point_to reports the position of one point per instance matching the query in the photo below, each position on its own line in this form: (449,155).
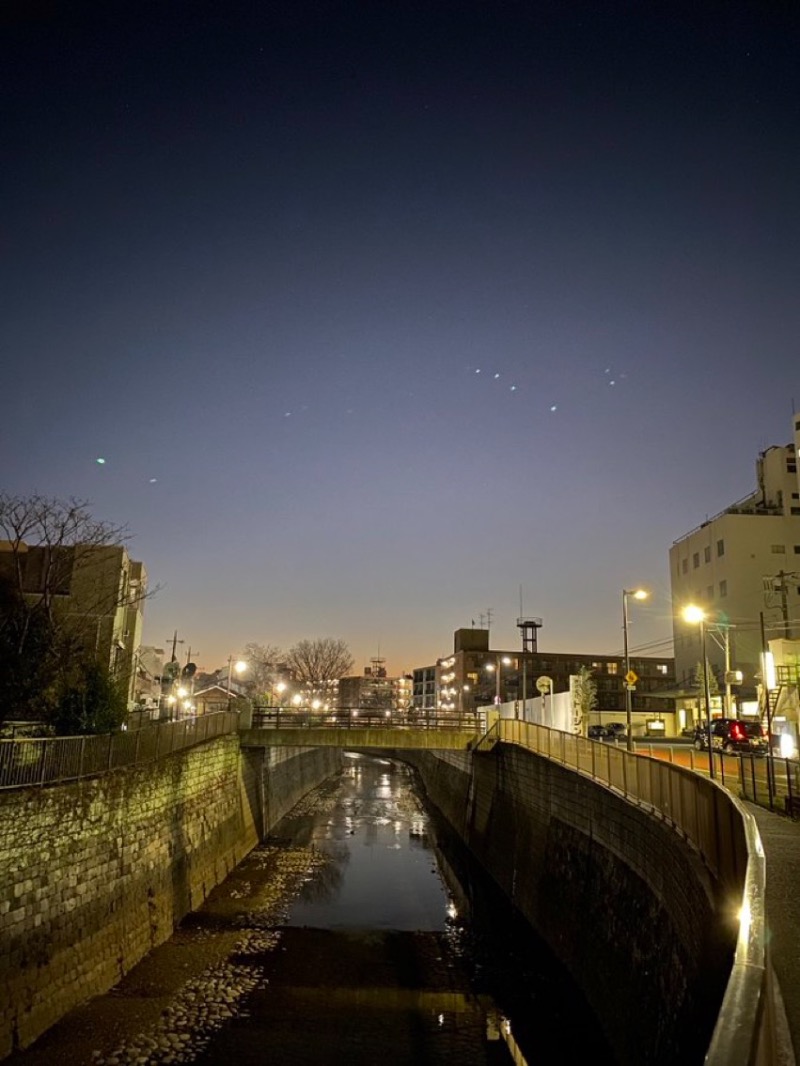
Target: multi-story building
(95,591)
(742,568)
(475,675)
(149,667)
(423,697)
(374,691)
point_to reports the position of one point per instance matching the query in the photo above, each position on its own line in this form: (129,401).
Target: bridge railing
(55,760)
(357,718)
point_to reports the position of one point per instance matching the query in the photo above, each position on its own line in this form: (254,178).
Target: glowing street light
(637,594)
(697,616)
(240,666)
(495,668)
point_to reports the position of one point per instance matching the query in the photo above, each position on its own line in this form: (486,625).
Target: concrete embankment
(621,899)
(95,874)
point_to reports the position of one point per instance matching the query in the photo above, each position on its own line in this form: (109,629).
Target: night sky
(381,314)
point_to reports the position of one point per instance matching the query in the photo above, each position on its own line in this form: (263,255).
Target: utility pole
(175,643)
(765,689)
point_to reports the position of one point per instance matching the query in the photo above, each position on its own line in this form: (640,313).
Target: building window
(778,549)
(707,554)
(662,668)
(720,548)
(684,566)
(794,510)
(797,549)
(696,560)
(723,588)
(612,668)
(710,592)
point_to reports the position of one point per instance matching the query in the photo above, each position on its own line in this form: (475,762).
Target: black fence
(769,781)
(54,760)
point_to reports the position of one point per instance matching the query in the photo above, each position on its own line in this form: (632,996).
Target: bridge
(358,728)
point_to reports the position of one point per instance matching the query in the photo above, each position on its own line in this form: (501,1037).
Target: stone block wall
(622,900)
(95,874)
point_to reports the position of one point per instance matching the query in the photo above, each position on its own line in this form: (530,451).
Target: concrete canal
(358,933)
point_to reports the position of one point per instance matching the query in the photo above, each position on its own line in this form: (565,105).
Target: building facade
(475,675)
(97,592)
(742,567)
(376,692)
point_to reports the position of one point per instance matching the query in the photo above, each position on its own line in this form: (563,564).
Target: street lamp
(697,616)
(638,594)
(240,668)
(501,661)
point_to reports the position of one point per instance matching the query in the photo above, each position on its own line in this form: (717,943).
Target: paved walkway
(781,839)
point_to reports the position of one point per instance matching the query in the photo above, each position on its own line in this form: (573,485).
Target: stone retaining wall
(95,874)
(621,899)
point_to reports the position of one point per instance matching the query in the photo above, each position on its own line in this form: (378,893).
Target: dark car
(596,732)
(732,735)
(616,730)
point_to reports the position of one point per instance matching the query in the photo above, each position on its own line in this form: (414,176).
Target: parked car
(616,730)
(732,735)
(596,732)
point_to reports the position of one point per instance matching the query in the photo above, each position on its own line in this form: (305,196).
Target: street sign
(631,677)
(544,684)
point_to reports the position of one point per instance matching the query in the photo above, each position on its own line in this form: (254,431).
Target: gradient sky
(381,313)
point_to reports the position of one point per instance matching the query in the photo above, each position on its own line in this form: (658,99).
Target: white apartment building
(742,567)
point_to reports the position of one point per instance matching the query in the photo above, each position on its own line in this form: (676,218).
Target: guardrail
(725,835)
(55,760)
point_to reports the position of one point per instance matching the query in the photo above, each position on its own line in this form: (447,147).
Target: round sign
(544,684)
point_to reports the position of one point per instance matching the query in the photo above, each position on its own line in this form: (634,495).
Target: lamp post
(697,616)
(638,594)
(239,667)
(502,660)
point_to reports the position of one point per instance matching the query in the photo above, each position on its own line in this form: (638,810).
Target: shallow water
(385,956)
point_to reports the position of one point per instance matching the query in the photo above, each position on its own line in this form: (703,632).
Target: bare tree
(65,537)
(264,661)
(316,661)
(58,584)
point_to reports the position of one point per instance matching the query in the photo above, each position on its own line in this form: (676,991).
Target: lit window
(662,668)
(612,668)
(723,588)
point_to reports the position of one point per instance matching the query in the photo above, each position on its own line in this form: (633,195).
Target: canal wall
(95,874)
(618,895)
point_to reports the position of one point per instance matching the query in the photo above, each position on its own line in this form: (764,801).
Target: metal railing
(726,837)
(55,760)
(358,718)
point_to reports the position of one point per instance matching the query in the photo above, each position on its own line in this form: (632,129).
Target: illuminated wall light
(768,663)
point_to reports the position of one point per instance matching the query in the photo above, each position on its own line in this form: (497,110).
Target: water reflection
(388,877)
(393,951)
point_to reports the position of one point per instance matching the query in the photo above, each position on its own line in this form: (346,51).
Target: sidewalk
(781,839)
